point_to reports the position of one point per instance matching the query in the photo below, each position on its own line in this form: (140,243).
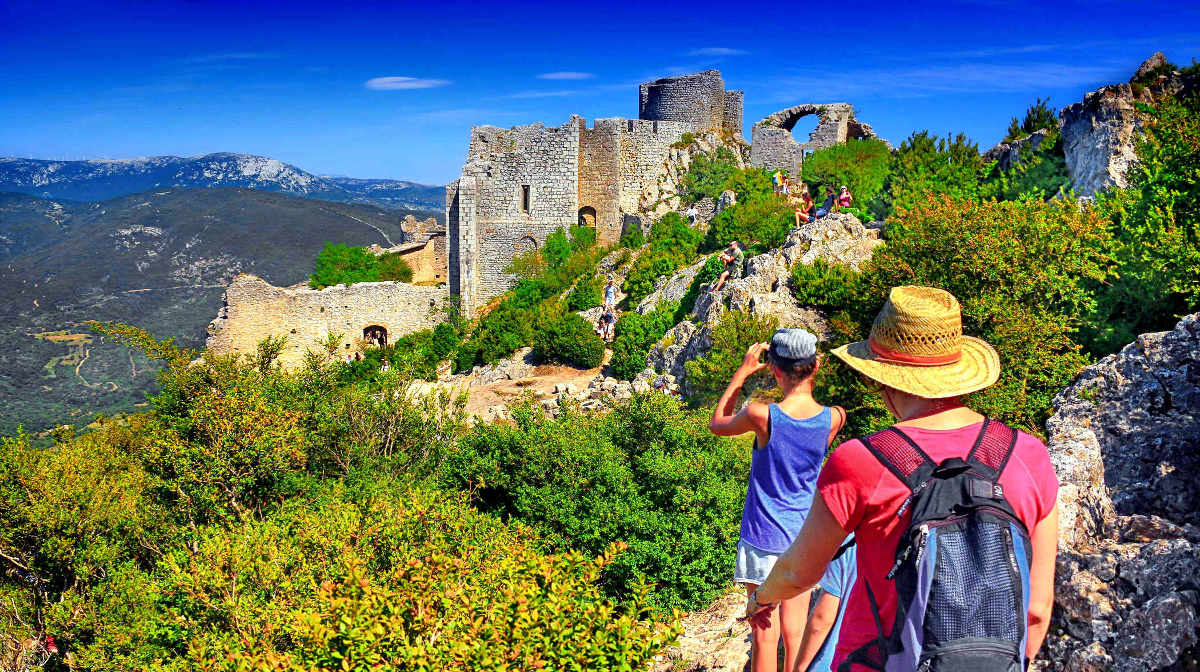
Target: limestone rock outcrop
(1125,441)
(1008,154)
(763,291)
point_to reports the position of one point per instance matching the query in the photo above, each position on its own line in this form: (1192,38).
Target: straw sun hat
(917,346)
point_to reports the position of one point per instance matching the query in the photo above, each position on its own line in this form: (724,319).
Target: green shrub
(861,165)
(709,175)
(1156,229)
(633,238)
(709,272)
(557,248)
(634,335)
(569,339)
(339,264)
(587,294)
(1040,173)
(582,238)
(760,223)
(1039,116)
(392,266)
(648,268)
(672,245)
(824,285)
(651,475)
(925,167)
(733,334)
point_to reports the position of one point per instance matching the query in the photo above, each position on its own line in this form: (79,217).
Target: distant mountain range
(101,179)
(159,260)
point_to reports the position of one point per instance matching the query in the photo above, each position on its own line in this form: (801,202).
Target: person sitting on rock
(828,206)
(844,198)
(735,261)
(791,438)
(923,366)
(803,206)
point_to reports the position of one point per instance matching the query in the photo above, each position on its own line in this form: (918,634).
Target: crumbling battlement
(774,148)
(520,184)
(254,309)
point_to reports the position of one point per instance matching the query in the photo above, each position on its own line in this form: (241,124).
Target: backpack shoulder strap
(993,449)
(902,456)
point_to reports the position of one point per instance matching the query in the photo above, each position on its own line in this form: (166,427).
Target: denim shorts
(753,564)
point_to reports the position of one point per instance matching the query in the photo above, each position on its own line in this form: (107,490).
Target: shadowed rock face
(1125,441)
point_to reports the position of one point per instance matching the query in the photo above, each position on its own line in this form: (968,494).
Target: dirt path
(540,384)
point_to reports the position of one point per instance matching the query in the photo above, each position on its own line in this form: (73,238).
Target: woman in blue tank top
(791,438)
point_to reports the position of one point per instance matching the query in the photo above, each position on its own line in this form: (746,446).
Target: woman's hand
(759,615)
(753,362)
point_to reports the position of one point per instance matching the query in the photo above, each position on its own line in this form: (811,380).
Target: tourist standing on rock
(844,198)
(610,295)
(735,262)
(828,206)
(790,440)
(954,514)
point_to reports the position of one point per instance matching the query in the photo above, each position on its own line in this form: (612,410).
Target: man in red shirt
(923,364)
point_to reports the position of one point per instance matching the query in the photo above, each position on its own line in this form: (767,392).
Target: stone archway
(375,335)
(524,245)
(587,216)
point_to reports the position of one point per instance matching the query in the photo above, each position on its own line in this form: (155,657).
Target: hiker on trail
(804,208)
(844,198)
(828,206)
(385,367)
(786,188)
(777,180)
(790,441)
(605,326)
(610,295)
(825,619)
(735,262)
(691,213)
(954,514)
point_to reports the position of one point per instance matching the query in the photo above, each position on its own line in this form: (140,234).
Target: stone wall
(255,309)
(697,99)
(600,177)
(774,148)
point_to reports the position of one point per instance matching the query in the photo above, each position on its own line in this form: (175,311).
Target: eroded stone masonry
(774,148)
(520,184)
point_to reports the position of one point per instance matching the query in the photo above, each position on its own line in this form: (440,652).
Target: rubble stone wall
(774,148)
(255,309)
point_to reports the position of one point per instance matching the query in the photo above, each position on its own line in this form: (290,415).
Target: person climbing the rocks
(828,206)
(790,441)
(735,262)
(954,514)
(825,619)
(804,206)
(844,198)
(610,295)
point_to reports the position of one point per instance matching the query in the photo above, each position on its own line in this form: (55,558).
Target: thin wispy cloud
(543,94)
(566,75)
(403,83)
(232,57)
(717,51)
(931,80)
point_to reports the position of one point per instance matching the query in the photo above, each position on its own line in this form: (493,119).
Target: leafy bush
(587,294)
(392,266)
(709,272)
(1156,227)
(569,339)
(651,475)
(759,223)
(634,335)
(557,248)
(734,332)
(582,238)
(925,167)
(861,165)
(339,264)
(824,285)
(672,245)
(633,238)
(1041,173)
(1039,116)
(709,175)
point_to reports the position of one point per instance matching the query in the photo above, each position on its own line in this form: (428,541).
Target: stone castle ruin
(774,148)
(521,184)
(518,186)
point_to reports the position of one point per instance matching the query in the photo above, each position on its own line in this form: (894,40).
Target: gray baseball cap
(794,344)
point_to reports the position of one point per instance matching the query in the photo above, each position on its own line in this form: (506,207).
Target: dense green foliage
(925,166)
(1040,116)
(633,238)
(708,273)
(758,221)
(734,333)
(569,339)
(1156,224)
(651,475)
(263,519)
(861,165)
(709,175)
(340,264)
(588,293)
(673,244)
(634,335)
(824,285)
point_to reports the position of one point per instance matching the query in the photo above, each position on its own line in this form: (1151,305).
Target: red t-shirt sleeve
(846,481)
(1041,472)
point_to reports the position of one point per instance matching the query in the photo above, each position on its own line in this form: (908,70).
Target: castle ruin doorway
(375,336)
(587,216)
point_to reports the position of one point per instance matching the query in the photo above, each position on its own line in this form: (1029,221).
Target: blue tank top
(783,476)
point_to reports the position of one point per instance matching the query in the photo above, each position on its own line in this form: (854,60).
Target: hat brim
(978,368)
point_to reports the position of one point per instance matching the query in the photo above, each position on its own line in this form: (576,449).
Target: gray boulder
(1125,442)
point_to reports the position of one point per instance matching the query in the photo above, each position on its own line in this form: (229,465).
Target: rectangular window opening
(525,198)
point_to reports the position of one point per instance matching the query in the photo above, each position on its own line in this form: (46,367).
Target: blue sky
(390,89)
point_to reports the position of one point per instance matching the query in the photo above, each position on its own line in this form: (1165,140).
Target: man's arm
(1041,581)
(803,564)
(820,622)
